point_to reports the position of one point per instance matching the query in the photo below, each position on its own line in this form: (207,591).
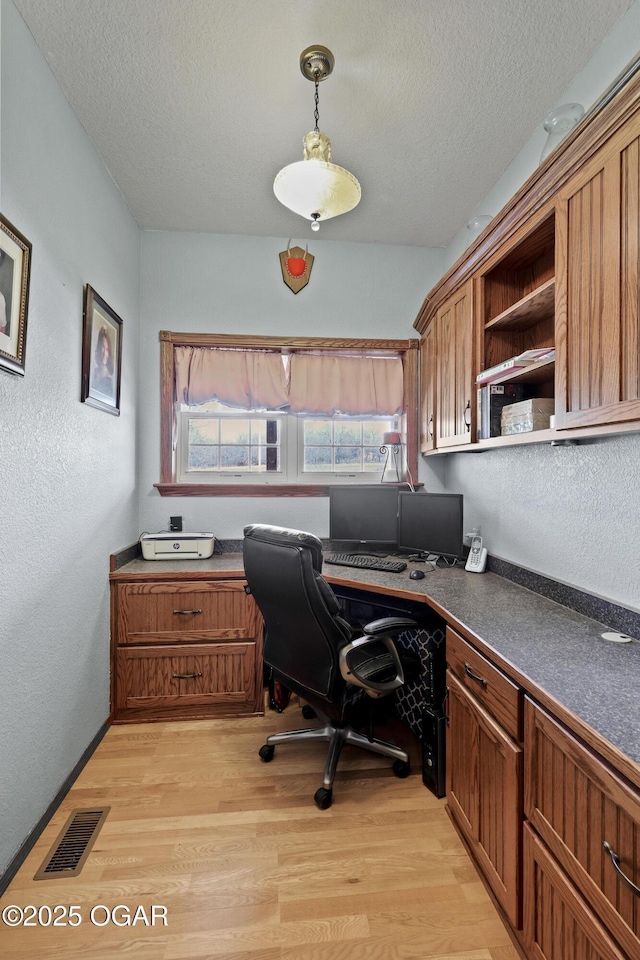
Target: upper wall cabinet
(427,387)
(517,292)
(557,272)
(598,358)
(454,369)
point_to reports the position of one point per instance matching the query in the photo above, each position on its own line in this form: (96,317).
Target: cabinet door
(557,923)
(597,274)
(455,389)
(576,804)
(427,388)
(484,793)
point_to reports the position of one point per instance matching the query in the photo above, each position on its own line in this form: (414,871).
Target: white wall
(219,284)
(67,471)
(566,512)
(619,47)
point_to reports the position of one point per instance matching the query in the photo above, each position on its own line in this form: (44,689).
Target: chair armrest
(388,626)
(366,668)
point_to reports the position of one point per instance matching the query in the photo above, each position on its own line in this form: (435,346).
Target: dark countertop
(549,648)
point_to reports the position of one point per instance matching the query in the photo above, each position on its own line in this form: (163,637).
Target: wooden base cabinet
(185,649)
(484,777)
(558,924)
(553,828)
(584,815)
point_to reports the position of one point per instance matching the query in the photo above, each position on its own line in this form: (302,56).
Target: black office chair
(315,653)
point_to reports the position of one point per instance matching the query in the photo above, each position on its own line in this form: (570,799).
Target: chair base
(337,738)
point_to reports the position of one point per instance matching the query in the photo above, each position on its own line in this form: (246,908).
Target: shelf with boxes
(517,350)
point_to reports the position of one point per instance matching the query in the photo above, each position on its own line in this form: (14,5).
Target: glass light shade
(315,185)
(477,224)
(558,122)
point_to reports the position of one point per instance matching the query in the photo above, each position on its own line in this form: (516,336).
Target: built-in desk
(543,742)
(555,654)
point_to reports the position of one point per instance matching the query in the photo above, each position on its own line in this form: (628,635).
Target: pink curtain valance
(358,386)
(318,384)
(246,379)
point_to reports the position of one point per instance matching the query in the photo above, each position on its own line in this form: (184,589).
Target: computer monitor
(364,514)
(431,523)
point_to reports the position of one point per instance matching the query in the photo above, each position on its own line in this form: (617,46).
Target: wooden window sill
(251,490)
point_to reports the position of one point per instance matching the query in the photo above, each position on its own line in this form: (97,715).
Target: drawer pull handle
(615,860)
(469,672)
(186,613)
(185,676)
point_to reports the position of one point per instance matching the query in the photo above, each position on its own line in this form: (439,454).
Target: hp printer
(181,546)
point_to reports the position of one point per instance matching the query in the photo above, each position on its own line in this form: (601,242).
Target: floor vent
(68,854)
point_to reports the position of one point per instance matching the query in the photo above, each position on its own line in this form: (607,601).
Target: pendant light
(314,187)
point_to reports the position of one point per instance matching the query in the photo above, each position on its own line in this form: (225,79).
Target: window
(216,445)
(263,417)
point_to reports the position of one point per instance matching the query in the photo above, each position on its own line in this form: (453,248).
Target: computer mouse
(416,575)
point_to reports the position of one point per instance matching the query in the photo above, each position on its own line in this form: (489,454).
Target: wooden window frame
(168,487)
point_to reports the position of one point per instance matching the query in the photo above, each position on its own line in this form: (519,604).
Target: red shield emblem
(296,266)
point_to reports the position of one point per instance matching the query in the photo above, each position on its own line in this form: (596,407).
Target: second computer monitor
(364,514)
(431,523)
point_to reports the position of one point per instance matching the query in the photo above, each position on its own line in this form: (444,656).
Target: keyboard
(366,563)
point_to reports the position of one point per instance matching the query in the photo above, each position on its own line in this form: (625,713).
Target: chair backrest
(304,631)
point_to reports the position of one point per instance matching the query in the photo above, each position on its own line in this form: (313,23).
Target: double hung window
(274,417)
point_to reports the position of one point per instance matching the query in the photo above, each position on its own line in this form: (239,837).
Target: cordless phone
(477,559)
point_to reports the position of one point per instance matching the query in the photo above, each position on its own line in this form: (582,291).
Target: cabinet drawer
(198,679)
(576,804)
(557,921)
(495,691)
(185,611)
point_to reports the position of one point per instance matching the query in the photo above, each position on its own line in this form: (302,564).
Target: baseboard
(16,862)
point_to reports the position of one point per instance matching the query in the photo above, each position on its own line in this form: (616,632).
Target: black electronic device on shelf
(434,750)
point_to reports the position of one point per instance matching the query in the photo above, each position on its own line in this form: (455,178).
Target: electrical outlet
(175,524)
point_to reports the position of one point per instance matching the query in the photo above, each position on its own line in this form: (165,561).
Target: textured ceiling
(195,105)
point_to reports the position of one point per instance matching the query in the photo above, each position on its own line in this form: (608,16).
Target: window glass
(223,442)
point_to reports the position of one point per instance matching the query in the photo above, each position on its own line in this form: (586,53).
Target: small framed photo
(15,268)
(101,354)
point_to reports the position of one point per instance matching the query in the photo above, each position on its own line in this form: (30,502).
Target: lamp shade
(315,185)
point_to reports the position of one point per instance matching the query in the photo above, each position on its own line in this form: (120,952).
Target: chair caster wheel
(323,798)
(401,768)
(308,712)
(266,753)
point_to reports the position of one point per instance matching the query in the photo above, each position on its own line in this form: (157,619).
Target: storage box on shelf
(527,415)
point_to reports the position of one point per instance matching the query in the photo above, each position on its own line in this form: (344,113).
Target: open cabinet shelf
(540,372)
(528,311)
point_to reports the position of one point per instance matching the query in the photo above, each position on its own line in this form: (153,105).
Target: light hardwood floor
(246,865)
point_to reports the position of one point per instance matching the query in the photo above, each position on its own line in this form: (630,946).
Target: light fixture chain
(316,112)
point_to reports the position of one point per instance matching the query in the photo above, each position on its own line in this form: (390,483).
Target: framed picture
(15,267)
(101,354)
